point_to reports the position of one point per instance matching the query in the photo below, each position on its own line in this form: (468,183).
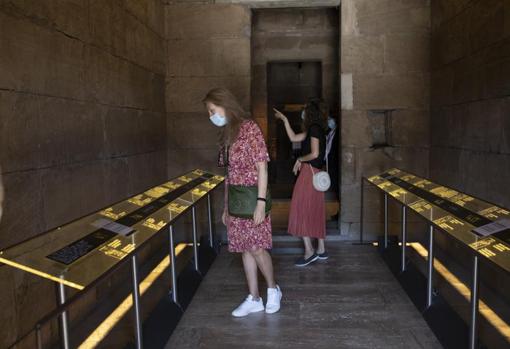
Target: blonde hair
(234,112)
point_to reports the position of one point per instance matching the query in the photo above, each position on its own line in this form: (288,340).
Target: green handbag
(242,201)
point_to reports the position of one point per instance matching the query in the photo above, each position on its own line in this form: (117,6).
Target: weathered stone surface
(201,134)
(486,23)
(71,191)
(116,178)
(209,57)
(64,65)
(469,129)
(406,52)
(295,47)
(363,54)
(505,129)
(443,11)
(451,40)
(370,8)
(411,127)
(22,216)
(122,132)
(189,21)
(76,135)
(148,12)
(497,84)
(375,20)
(496,174)
(349,161)
(31,305)
(442,86)
(390,91)
(183,160)
(146,170)
(298,21)
(355,129)
(20,134)
(9,315)
(185,94)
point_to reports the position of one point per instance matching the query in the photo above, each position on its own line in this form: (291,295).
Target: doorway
(289,86)
(294,56)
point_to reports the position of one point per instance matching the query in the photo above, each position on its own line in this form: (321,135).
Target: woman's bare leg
(309,251)
(321,248)
(250,270)
(265,265)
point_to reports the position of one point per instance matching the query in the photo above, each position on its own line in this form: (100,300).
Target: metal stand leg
(361,213)
(430,271)
(195,239)
(175,297)
(64,320)
(209,215)
(473,328)
(38,337)
(385,220)
(136,303)
(404,238)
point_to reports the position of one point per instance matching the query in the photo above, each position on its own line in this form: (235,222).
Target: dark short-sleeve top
(315,131)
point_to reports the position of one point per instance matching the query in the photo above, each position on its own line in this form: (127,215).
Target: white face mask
(302,114)
(218,120)
(331,123)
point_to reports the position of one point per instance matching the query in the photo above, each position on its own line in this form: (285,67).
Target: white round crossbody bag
(321,180)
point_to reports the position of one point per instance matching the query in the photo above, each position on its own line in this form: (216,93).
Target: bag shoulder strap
(311,169)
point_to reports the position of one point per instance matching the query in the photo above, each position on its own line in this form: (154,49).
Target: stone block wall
(208,46)
(205,50)
(384,65)
(470,102)
(82,123)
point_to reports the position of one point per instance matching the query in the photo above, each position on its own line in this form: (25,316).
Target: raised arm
(294,137)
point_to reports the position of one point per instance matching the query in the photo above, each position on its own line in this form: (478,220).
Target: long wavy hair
(315,113)
(234,112)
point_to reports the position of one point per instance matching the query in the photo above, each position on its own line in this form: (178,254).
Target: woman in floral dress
(246,159)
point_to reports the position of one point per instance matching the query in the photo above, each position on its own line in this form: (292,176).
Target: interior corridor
(351,300)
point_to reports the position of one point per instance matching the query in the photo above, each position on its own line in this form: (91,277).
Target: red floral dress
(247,150)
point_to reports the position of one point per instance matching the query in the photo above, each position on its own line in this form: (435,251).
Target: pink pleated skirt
(307,216)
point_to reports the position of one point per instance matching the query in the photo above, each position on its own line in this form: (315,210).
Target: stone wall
(384,65)
(204,51)
(82,123)
(470,101)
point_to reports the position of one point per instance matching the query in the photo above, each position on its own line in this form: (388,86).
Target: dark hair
(234,112)
(315,113)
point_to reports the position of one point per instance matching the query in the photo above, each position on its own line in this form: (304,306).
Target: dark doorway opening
(289,86)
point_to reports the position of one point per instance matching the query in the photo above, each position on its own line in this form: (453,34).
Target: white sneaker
(274,296)
(248,306)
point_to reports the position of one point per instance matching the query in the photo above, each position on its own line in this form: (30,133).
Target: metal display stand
(108,239)
(454,213)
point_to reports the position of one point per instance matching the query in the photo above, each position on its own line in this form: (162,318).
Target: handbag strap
(311,169)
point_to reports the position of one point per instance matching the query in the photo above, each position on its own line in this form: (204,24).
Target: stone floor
(350,301)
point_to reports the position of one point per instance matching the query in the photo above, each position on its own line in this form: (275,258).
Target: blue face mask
(331,123)
(218,120)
